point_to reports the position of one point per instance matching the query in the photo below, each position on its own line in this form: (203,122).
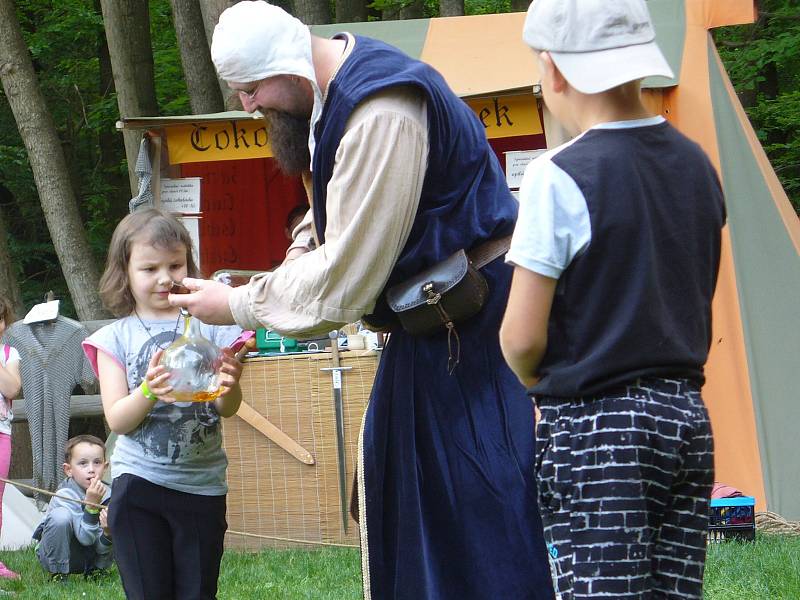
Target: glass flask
(193,363)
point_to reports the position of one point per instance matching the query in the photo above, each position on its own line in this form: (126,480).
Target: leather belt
(483,254)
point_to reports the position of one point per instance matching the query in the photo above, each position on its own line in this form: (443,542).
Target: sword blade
(338,406)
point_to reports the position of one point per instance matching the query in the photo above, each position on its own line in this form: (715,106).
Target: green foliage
(173,98)
(471,7)
(764,65)
(487,7)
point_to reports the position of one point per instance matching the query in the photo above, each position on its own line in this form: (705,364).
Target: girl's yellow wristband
(91,510)
(146,391)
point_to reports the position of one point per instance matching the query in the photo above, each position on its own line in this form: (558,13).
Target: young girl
(10,385)
(167,511)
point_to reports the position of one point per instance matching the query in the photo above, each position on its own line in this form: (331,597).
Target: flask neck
(191,327)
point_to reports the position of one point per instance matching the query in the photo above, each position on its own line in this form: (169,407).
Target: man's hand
(95,491)
(208,301)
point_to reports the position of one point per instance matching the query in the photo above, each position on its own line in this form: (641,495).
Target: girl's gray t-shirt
(177,445)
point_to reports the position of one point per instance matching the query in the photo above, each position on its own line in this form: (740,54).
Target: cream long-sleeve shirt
(372,199)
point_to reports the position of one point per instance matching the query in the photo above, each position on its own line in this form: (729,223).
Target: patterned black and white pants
(624,487)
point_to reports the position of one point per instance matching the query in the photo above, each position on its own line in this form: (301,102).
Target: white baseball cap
(596,44)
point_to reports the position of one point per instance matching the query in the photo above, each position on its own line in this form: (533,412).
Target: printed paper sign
(516,161)
(181,195)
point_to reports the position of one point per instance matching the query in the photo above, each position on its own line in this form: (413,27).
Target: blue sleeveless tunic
(447,495)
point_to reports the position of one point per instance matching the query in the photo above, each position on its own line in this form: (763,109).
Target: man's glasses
(251,95)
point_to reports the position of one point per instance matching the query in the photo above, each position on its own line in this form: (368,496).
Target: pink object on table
(721,490)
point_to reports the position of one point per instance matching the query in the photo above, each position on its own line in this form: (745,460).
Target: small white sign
(192,225)
(181,195)
(516,161)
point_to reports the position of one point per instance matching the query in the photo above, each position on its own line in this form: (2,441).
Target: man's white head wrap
(255,40)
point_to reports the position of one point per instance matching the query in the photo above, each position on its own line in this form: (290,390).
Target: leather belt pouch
(436,299)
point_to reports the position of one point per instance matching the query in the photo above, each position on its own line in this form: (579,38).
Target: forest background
(70,68)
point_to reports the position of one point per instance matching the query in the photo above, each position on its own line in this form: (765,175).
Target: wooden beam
(80,406)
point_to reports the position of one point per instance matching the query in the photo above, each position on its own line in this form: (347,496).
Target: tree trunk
(520,5)
(201,78)
(9,284)
(451,8)
(46,157)
(390,14)
(110,144)
(211,10)
(127,25)
(414,10)
(351,11)
(313,12)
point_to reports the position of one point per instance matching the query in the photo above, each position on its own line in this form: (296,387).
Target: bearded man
(402,178)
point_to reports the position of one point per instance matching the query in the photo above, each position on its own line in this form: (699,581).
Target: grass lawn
(766,569)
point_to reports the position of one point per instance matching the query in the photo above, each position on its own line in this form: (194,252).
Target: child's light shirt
(85,526)
(177,445)
(553,225)
(6,414)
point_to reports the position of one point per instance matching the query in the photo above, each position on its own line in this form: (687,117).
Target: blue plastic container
(732,518)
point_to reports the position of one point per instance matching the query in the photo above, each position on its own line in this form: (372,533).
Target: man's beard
(288,138)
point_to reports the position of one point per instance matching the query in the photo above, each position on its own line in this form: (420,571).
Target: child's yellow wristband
(91,511)
(146,391)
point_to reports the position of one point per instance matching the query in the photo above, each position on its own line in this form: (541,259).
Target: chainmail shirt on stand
(144,172)
(51,365)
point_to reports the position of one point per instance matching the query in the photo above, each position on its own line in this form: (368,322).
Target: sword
(338,405)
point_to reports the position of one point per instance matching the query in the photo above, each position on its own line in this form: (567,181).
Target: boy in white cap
(616,252)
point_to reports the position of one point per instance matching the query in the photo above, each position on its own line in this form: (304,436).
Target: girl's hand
(95,491)
(230,371)
(157,378)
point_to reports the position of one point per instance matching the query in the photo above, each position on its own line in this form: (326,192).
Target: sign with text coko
(207,141)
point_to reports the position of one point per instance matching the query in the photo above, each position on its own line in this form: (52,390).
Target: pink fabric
(7,573)
(237,344)
(90,349)
(4,406)
(722,490)
(5,463)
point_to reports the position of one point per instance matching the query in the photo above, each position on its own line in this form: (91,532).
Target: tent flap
(768,282)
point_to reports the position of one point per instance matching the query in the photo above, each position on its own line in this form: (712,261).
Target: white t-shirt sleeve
(12,355)
(553,225)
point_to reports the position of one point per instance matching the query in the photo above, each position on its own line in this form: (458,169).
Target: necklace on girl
(150,333)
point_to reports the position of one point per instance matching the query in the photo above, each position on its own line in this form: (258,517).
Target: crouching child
(74,537)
